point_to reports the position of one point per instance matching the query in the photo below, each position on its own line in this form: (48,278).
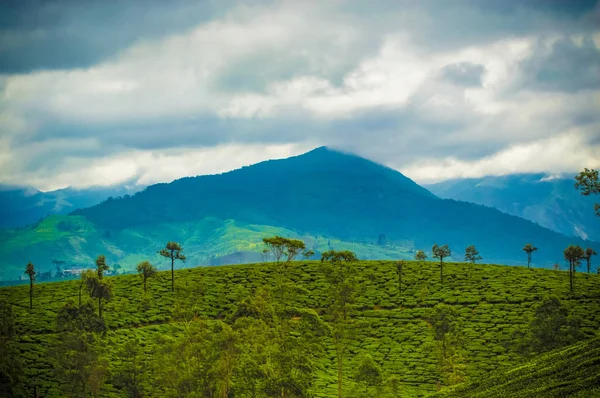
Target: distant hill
(328,198)
(568,372)
(21,206)
(552,202)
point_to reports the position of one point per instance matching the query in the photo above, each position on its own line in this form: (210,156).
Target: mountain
(552,202)
(21,206)
(327,198)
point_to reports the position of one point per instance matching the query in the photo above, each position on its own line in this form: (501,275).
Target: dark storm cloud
(67,34)
(261,78)
(563,66)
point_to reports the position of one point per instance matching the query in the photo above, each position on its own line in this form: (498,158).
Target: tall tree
(83,277)
(30,271)
(77,353)
(589,184)
(10,363)
(146,271)
(368,373)
(101,266)
(399,267)
(444,320)
(131,374)
(589,252)
(341,275)
(552,326)
(420,255)
(573,254)
(471,254)
(529,249)
(288,249)
(441,252)
(173,252)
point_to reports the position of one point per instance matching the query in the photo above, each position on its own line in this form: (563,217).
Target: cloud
(397,84)
(554,155)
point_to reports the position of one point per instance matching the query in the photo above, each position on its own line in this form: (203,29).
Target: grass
(493,302)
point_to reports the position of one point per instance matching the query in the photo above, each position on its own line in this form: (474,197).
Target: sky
(139,92)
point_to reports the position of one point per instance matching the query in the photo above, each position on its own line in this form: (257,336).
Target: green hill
(327,198)
(573,371)
(492,302)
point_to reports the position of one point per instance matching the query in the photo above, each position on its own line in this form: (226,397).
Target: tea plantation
(493,302)
(573,371)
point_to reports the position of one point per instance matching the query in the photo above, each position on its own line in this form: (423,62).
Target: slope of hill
(492,301)
(552,202)
(330,199)
(573,371)
(21,206)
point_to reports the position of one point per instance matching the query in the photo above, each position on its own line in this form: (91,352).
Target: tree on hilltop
(399,267)
(441,252)
(573,254)
(146,271)
(101,266)
(589,252)
(308,254)
(529,249)
(30,271)
(172,252)
(283,248)
(472,255)
(420,255)
(589,184)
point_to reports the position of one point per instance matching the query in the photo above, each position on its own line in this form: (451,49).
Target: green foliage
(492,302)
(472,255)
(101,266)
(553,327)
(146,271)
(368,373)
(132,373)
(420,255)
(10,363)
(573,371)
(588,183)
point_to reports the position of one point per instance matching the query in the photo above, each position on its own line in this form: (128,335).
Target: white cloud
(150,167)
(568,152)
(295,73)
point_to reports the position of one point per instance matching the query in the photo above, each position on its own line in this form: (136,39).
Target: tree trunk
(571,274)
(340,370)
(442,271)
(30,293)
(172,272)
(588,264)
(528,259)
(145,290)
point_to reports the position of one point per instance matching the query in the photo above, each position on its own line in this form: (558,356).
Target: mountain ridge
(329,199)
